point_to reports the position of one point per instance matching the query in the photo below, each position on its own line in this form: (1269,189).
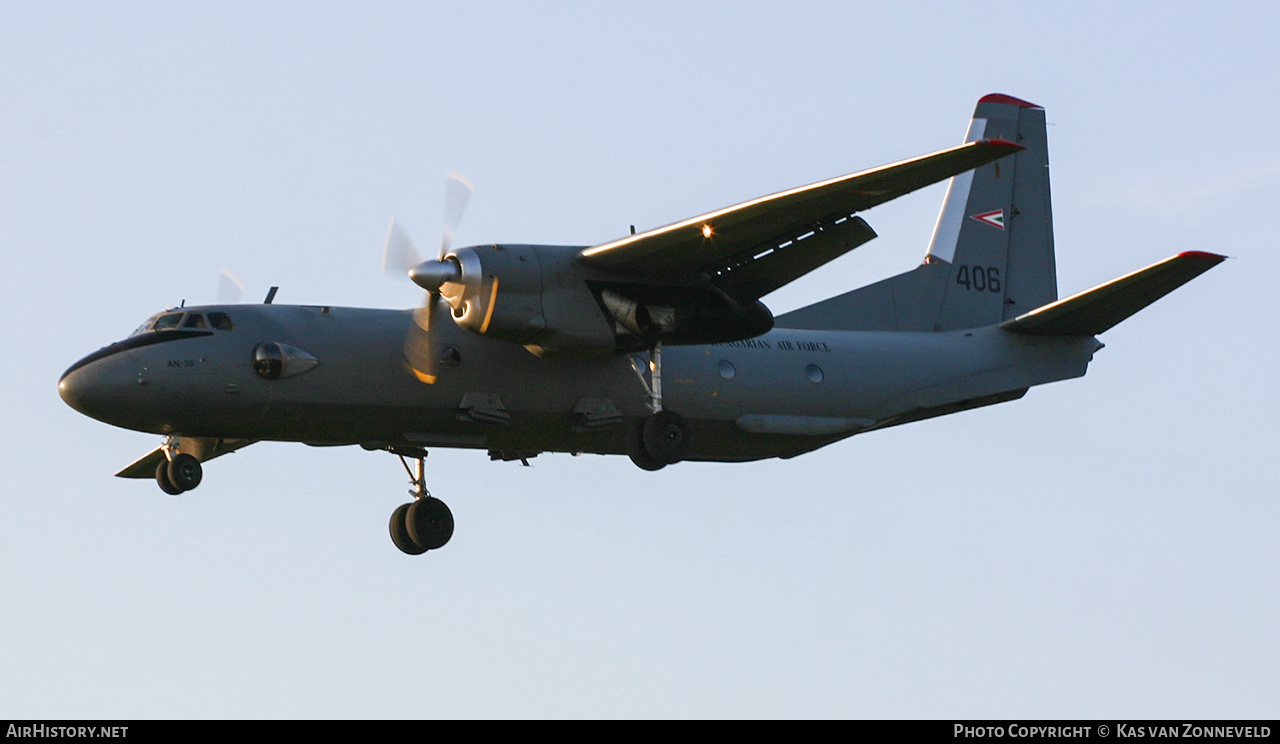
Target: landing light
(706,231)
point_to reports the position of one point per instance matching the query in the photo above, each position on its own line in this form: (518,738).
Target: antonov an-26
(655,345)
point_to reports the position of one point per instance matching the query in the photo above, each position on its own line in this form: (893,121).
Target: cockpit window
(199,321)
(166,321)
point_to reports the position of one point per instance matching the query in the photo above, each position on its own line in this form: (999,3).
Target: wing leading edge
(754,247)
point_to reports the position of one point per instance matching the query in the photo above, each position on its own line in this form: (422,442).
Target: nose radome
(76,388)
(97,386)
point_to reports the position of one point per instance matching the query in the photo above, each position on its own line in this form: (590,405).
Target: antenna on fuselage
(271,295)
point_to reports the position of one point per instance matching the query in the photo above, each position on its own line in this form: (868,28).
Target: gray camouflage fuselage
(743,400)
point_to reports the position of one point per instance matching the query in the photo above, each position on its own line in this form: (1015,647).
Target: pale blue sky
(1104,547)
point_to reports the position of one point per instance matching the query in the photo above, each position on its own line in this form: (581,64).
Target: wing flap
(762,270)
(719,236)
(1095,310)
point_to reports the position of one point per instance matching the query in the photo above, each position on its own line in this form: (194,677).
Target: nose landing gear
(426,523)
(178,472)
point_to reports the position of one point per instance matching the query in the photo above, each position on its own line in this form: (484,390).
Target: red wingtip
(996,142)
(1202,255)
(1002,98)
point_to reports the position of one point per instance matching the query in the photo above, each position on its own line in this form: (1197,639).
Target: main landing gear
(662,437)
(425,523)
(178,472)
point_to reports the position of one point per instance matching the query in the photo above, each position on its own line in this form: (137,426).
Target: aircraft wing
(204,449)
(755,247)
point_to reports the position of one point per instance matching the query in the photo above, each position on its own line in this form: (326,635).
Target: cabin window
(814,373)
(726,368)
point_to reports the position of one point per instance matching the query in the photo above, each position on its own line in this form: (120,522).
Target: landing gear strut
(426,523)
(662,437)
(178,472)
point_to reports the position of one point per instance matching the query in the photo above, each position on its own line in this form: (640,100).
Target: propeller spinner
(399,255)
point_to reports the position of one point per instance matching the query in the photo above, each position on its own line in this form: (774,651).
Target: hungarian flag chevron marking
(995,218)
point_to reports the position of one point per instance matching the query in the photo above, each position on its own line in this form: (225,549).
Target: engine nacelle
(542,298)
(536,296)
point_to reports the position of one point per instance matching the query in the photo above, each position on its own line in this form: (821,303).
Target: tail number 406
(978,278)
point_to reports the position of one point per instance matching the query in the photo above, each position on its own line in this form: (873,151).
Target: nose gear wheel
(178,472)
(162,478)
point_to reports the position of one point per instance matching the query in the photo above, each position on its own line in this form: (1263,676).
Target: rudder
(996,225)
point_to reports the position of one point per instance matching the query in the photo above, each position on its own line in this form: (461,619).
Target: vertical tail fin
(996,225)
(991,257)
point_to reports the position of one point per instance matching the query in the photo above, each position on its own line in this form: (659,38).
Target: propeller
(457,193)
(399,255)
(230,288)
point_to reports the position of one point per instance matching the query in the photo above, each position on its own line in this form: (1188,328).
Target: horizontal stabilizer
(1095,310)
(203,449)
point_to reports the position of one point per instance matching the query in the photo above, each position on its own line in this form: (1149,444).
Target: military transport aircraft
(655,345)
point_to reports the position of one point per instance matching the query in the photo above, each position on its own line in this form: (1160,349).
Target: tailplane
(1095,310)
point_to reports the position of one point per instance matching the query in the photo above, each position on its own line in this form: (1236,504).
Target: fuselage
(781,394)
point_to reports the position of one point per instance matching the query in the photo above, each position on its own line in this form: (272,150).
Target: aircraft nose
(76,388)
(95,385)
